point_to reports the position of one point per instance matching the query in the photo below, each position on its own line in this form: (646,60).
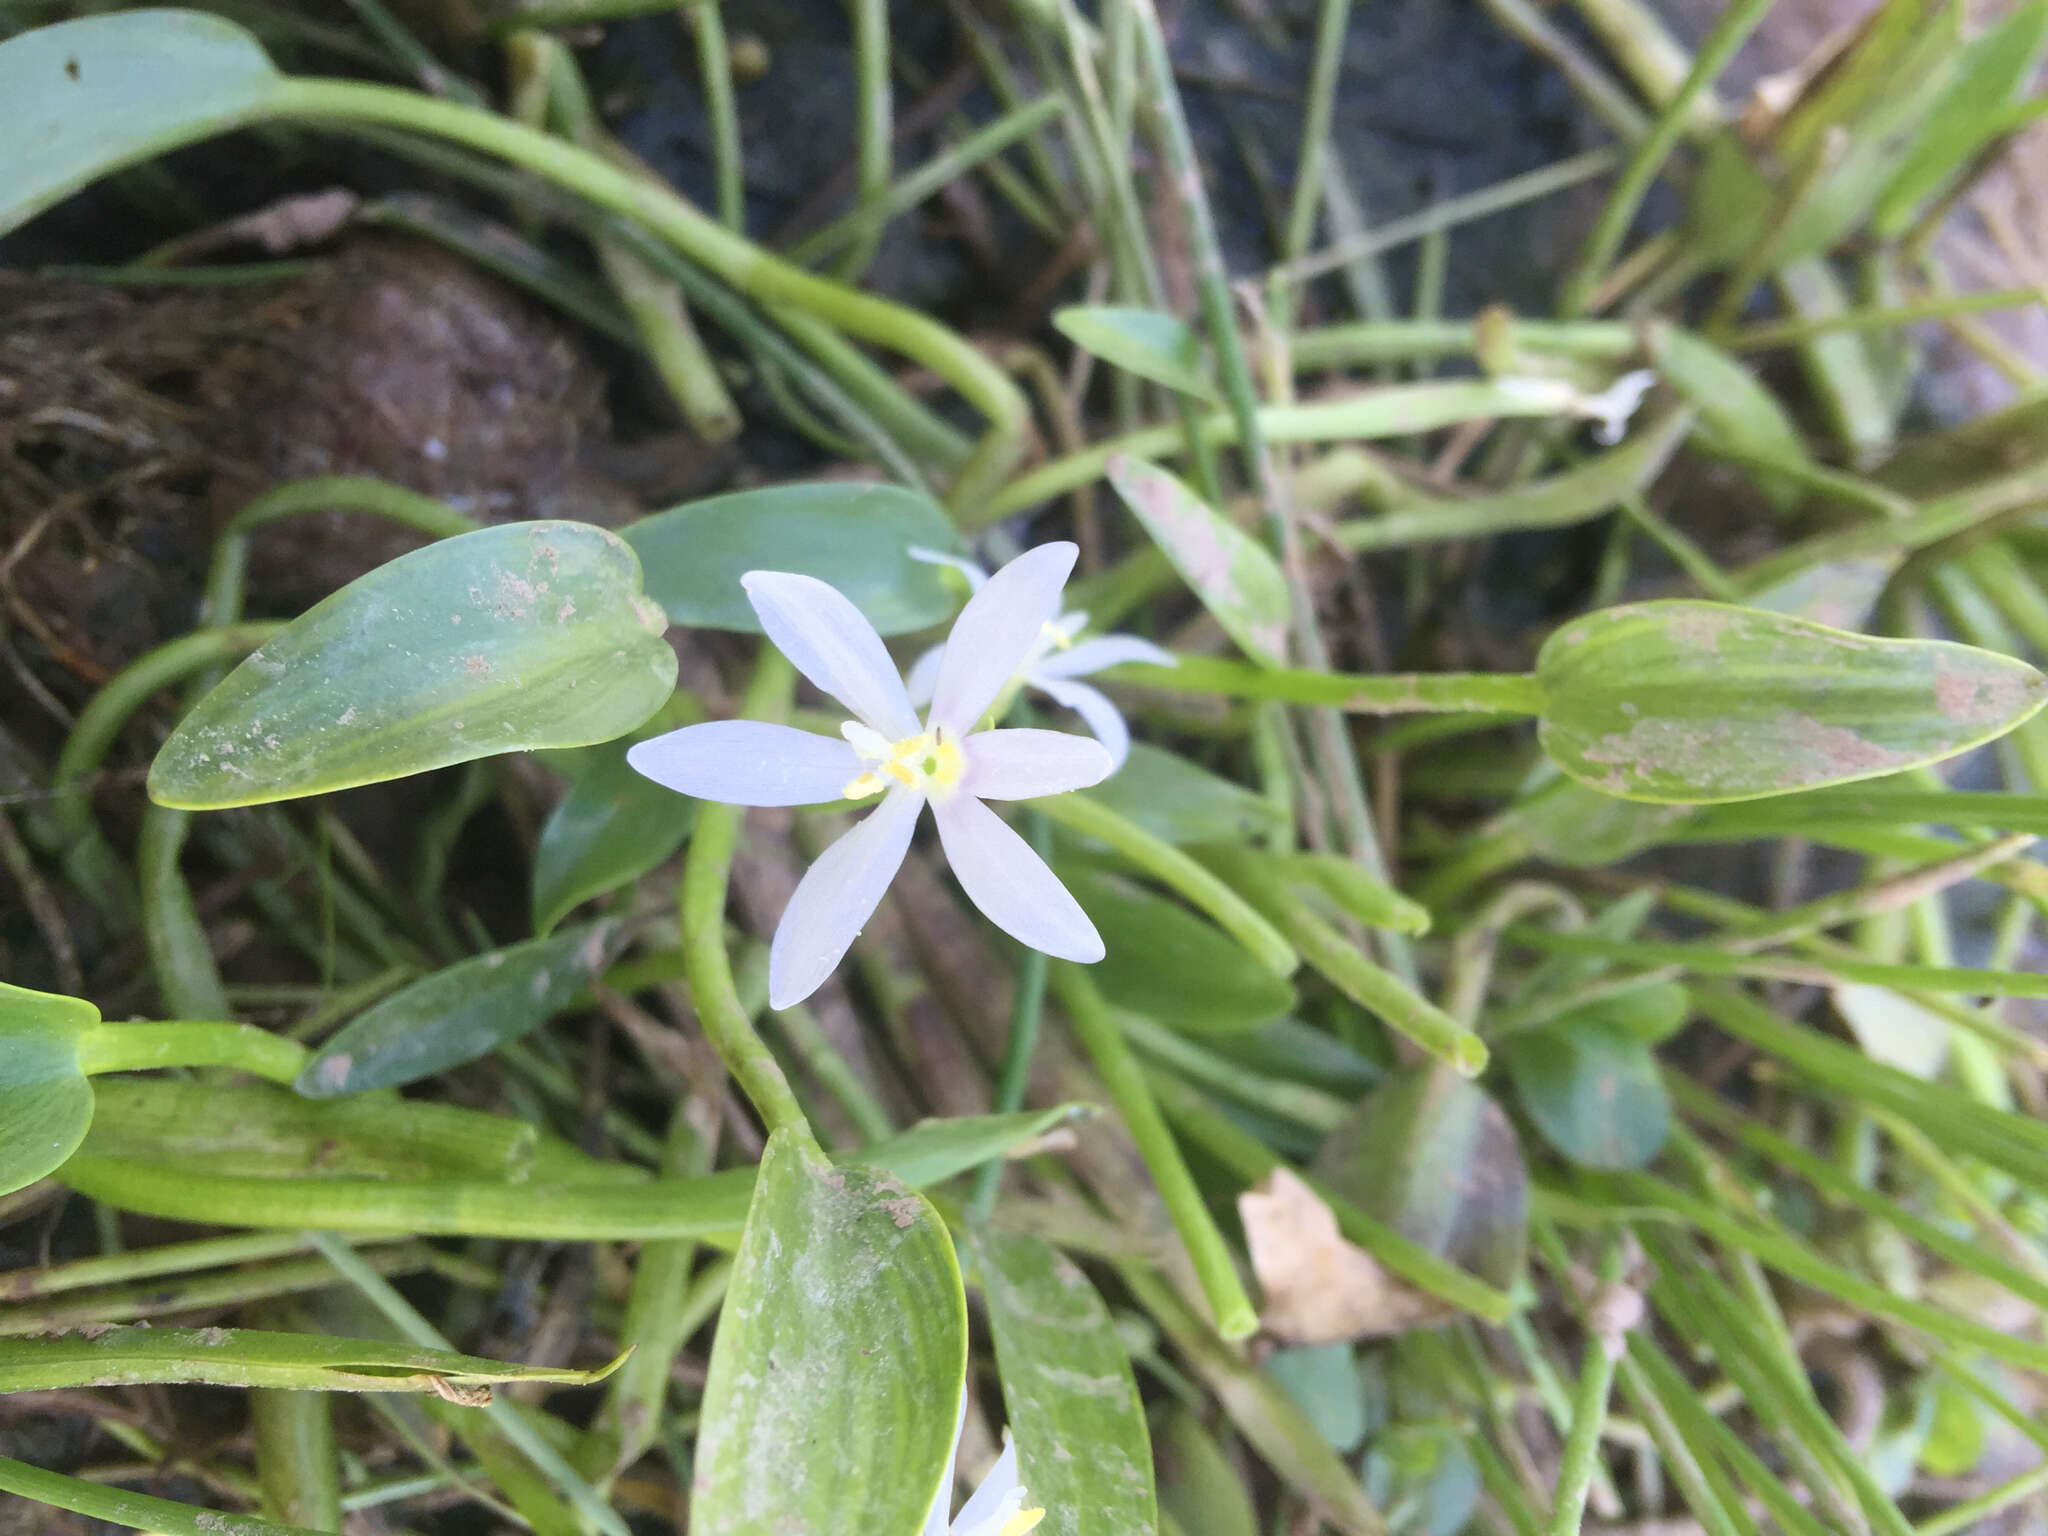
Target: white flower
(996,1508)
(1053,663)
(886,750)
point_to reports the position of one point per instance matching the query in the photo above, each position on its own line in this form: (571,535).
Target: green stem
(1027,1013)
(1392,694)
(89,860)
(1581,1457)
(706,873)
(295,1456)
(1397,411)
(1789,333)
(1173,868)
(721,112)
(190,1043)
(1647,159)
(1372,987)
(949,165)
(138,1511)
(1450,213)
(731,257)
(1132,1095)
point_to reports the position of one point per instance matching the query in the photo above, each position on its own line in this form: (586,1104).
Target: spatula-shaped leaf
(1701,702)
(1152,345)
(459,1013)
(45,1100)
(137,1511)
(91,96)
(835,1378)
(612,827)
(1429,1154)
(520,636)
(854,537)
(1229,570)
(246,1357)
(1171,965)
(1593,1090)
(1082,1447)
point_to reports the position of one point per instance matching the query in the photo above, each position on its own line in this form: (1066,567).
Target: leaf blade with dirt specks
(856,538)
(511,638)
(459,1013)
(45,1100)
(1231,572)
(247,1357)
(845,1328)
(1698,703)
(1067,1384)
(1146,342)
(90,96)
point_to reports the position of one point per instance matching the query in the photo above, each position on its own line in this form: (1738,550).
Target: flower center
(929,762)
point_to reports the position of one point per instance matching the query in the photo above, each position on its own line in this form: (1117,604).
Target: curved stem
(704,240)
(190,1043)
(1132,1094)
(1395,693)
(706,874)
(89,860)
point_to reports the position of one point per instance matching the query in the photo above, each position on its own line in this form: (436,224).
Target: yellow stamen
(1022,1521)
(929,762)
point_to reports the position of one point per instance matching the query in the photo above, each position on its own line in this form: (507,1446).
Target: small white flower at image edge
(997,1508)
(942,761)
(1055,663)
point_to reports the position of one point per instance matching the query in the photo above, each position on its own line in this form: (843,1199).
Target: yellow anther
(928,762)
(1022,1521)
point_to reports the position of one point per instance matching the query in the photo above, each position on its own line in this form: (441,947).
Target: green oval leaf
(510,638)
(612,827)
(1229,570)
(1180,803)
(835,1377)
(459,1013)
(1324,1380)
(1703,702)
(1430,1155)
(1152,345)
(90,96)
(855,537)
(245,1357)
(1168,964)
(1067,1384)
(1592,1089)
(45,1100)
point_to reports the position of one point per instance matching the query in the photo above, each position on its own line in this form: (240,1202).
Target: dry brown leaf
(1319,1288)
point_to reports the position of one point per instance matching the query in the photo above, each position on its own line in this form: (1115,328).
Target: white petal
(996,631)
(924,675)
(935,1522)
(836,897)
(1001,1479)
(747,762)
(1094,707)
(976,576)
(1101,653)
(1011,884)
(834,645)
(1021,765)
